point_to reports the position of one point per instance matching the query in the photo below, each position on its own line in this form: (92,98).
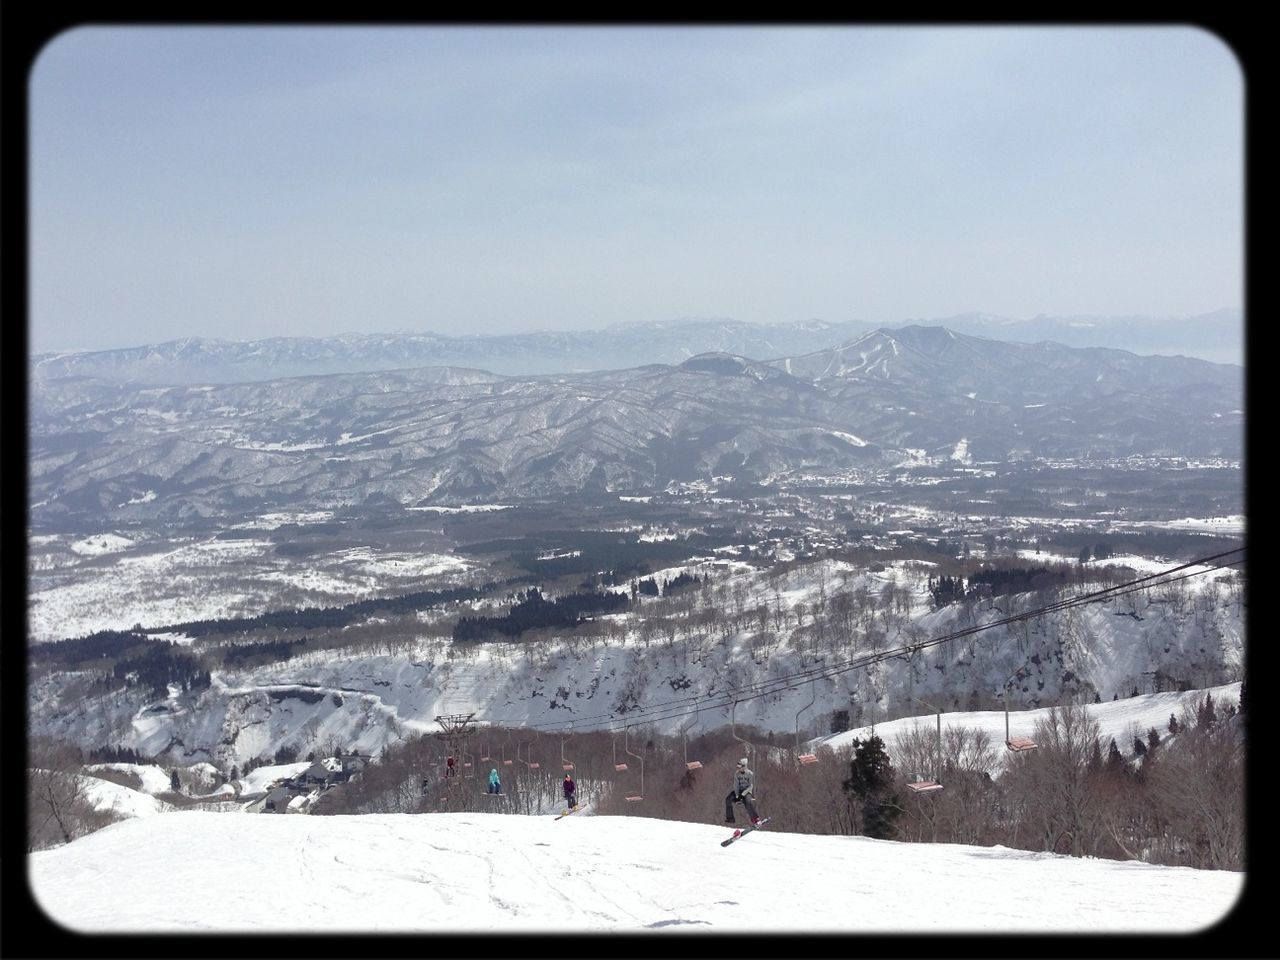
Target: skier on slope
(570,791)
(744,785)
(495,785)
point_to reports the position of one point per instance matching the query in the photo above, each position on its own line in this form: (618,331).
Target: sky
(246,182)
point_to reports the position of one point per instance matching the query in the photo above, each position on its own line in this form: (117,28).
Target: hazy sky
(245,182)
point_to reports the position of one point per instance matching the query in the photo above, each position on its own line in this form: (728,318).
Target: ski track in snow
(482,873)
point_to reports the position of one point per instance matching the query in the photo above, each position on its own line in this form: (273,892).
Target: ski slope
(492,873)
(1118,719)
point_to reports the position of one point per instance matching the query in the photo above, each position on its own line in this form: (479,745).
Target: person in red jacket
(449,769)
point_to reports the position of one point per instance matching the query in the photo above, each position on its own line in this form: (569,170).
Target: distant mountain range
(1217,337)
(101,448)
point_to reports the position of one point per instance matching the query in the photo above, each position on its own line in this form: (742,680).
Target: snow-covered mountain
(1191,637)
(1217,336)
(206,360)
(441,435)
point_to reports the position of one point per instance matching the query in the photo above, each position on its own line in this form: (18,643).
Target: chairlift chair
(747,745)
(806,758)
(565,764)
(920,785)
(503,748)
(529,764)
(635,795)
(620,767)
(684,733)
(733,732)
(1014,744)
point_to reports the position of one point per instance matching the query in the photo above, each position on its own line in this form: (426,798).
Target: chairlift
(635,795)
(565,764)
(530,763)
(806,758)
(920,785)
(1014,744)
(503,748)
(684,733)
(733,730)
(620,767)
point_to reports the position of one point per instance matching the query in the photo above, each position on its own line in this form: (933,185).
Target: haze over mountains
(111,449)
(1217,337)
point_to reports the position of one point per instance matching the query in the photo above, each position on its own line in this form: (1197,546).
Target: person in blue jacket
(495,785)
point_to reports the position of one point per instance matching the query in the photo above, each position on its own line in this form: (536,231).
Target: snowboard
(739,834)
(568,813)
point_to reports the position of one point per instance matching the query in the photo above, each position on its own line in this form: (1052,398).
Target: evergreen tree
(1115,759)
(174,783)
(871,778)
(1153,739)
(1139,748)
(1173,724)
(1095,756)
(1205,715)
(286,755)
(235,773)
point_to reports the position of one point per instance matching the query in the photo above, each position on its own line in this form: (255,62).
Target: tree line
(533,611)
(1176,800)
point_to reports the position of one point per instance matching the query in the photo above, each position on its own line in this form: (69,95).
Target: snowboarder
(449,770)
(570,791)
(495,785)
(743,788)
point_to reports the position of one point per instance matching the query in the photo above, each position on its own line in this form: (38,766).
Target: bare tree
(1053,784)
(59,809)
(1197,785)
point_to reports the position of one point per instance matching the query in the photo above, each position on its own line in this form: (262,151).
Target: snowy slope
(124,801)
(1122,719)
(479,873)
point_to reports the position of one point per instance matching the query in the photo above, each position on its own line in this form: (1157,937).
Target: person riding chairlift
(744,787)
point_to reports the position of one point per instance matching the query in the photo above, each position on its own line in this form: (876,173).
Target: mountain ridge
(618,346)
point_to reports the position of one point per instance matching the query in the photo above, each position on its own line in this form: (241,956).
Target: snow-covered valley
(666,658)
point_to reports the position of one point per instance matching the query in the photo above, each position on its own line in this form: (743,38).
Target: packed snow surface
(474,872)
